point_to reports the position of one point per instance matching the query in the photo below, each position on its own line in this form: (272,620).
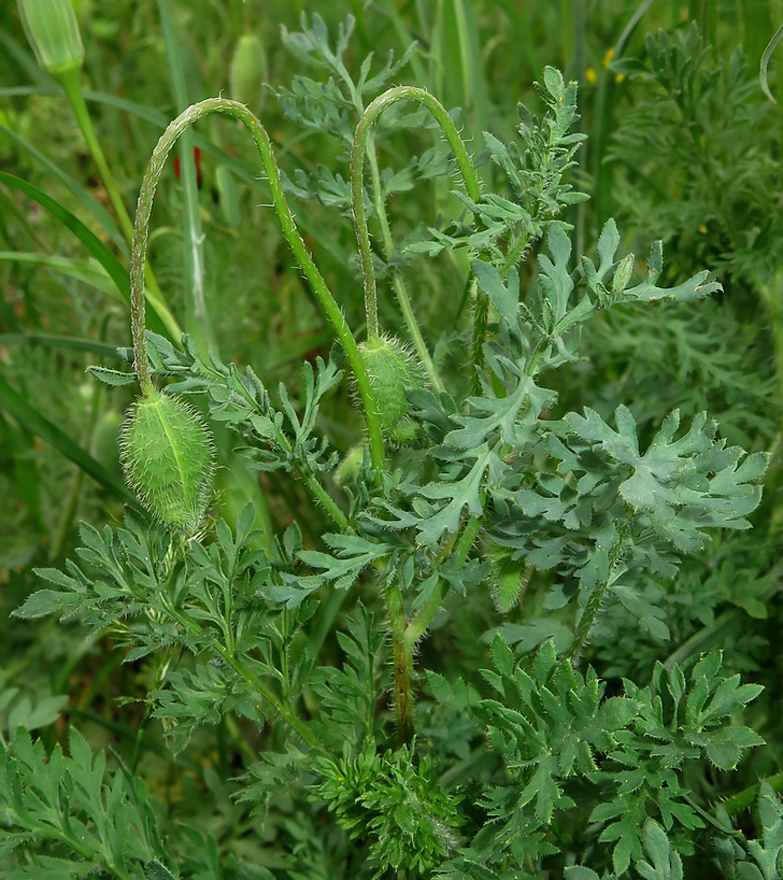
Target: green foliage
(409,818)
(167,453)
(480,640)
(551,724)
(83,822)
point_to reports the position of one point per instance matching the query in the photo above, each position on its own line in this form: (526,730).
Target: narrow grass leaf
(14,403)
(94,245)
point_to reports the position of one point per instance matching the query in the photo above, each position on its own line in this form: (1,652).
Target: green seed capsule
(248,71)
(167,454)
(393,371)
(53,33)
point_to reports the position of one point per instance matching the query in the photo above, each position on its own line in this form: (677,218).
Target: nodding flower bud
(53,33)
(167,454)
(393,371)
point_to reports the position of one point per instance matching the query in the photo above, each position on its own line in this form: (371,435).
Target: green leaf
(683,483)
(617,713)
(666,862)
(502,656)
(112,377)
(724,747)
(577,872)
(156,871)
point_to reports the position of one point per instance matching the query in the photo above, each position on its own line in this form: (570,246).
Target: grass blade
(45,340)
(20,409)
(87,271)
(778,36)
(96,247)
(197,321)
(101,215)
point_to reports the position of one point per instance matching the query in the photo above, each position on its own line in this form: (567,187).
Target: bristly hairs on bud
(167,454)
(394,370)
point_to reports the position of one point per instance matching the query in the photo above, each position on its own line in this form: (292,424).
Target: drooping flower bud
(167,454)
(393,371)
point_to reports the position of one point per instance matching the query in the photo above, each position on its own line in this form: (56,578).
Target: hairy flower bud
(393,372)
(168,458)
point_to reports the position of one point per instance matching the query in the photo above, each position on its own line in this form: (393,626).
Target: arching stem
(361,144)
(327,301)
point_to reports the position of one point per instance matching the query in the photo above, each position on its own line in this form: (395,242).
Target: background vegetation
(682,146)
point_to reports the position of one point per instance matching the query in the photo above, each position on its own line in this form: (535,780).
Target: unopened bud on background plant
(248,71)
(393,371)
(168,458)
(53,34)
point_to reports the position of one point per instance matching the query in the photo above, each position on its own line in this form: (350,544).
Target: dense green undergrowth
(440,538)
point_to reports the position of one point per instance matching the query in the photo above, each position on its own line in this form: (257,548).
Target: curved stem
(70,83)
(361,146)
(323,294)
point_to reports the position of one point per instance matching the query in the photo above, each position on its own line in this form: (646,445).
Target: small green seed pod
(167,454)
(393,372)
(247,72)
(53,34)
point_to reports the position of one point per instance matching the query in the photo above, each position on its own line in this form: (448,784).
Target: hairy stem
(70,83)
(748,796)
(405,635)
(399,285)
(403,666)
(362,146)
(290,231)
(478,337)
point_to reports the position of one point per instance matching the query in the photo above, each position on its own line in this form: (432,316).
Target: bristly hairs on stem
(358,153)
(327,301)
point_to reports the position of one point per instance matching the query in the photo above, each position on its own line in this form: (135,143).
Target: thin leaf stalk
(290,231)
(418,624)
(284,711)
(594,600)
(360,149)
(308,477)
